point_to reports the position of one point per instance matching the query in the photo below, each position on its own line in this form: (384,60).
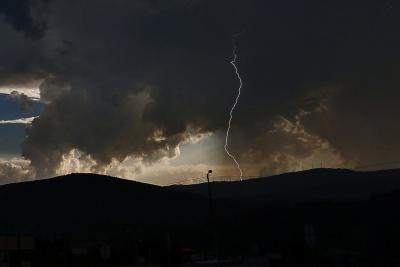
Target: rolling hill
(304,186)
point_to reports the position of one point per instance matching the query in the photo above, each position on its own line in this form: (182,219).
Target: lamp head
(209,171)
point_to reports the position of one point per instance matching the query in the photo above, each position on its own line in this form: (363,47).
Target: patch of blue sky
(10,108)
(12,135)
(11,138)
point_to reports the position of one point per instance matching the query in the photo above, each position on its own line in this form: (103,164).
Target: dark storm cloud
(341,54)
(25,16)
(128,77)
(145,70)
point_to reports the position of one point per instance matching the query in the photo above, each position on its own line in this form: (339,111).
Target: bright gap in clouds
(32,93)
(193,159)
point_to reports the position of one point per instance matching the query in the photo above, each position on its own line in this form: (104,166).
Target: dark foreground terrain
(320,217)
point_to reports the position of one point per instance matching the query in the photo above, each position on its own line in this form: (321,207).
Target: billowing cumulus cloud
(134,79)
(288,146)
(15,170)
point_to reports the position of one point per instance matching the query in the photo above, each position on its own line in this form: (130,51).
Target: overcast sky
(142,89)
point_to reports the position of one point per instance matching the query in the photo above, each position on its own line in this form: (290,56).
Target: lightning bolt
(233,63)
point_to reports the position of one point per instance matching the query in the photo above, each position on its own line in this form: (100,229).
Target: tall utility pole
(209,193)
(211,219)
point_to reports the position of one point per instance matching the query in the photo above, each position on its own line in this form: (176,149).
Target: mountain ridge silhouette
(84,204)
